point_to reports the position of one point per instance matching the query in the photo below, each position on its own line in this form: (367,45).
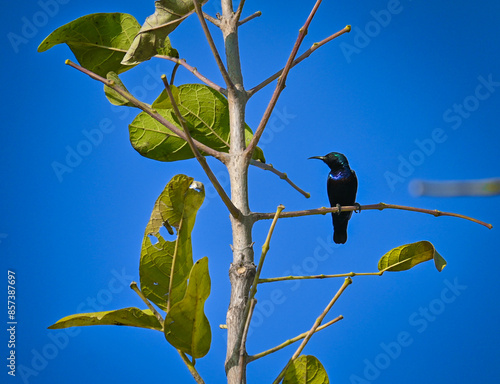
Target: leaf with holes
(99,40)
(133,317)
(306,370)
(176,207)
(407,256)
(186,326)
(206,112)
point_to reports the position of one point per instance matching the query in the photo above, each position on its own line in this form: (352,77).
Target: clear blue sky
(407,76)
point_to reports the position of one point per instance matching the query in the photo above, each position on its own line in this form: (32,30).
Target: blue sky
(401,87)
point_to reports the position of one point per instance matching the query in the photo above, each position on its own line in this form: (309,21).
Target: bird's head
(334,160)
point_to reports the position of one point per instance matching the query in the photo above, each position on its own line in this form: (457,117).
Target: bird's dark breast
(342,189)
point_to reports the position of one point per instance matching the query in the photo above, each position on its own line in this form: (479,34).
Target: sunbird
(341,185)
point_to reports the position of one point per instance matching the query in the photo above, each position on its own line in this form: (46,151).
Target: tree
(195,120)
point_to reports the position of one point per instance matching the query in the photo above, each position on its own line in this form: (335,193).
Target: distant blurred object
(454,188)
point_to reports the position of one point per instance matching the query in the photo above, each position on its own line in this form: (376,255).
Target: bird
(342,185)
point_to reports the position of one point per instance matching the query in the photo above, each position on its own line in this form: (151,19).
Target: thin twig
(212,19)
(136,289)
(211,43)
(265,249)
(147,109)
(317,323)
(349,274)
(191,367)
(305,55)
(280,85)
(195,72)
(291,341)
(244,338)
(237,14)
(235,212)
(379,206)
(283,176)
(251,17)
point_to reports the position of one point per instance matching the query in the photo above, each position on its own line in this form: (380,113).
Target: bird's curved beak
(317,157)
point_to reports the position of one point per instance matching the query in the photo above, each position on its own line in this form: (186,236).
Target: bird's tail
(340,232)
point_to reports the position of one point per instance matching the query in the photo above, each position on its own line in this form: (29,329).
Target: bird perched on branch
(342,185)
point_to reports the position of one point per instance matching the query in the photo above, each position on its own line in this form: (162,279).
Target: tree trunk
(242,269)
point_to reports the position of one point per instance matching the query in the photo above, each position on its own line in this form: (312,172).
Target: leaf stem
(315,326)
(305,55)
(147,109)
(211,43)
(291,341)
(235,212)
(379,206)
(136,289)
(281,84)
(283,176)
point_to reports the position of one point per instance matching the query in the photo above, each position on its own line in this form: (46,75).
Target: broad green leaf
(206,113)
(152,38)
(176,207)
(133,317)
(186,326)
(407,256)
(114,97)
(99,41)
(306,370)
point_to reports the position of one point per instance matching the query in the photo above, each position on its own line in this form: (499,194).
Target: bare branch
(201,159)
(317,323)
(251,17)
(150,111)
(281,84)
(190,366)
(349,274)
(210,40)
(305,55)
(291,341)
(379,206)
(283,176)
(237,14)
(212,19)
(195,72)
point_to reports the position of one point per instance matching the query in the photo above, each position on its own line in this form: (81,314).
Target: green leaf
(99,41)
(407,256)
(306,370)
(176,207)
(152,38)
(133,317)
(206,112)
(186,326)
(114,97)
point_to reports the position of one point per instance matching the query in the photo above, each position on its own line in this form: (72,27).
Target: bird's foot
(358,207)
(339,209)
